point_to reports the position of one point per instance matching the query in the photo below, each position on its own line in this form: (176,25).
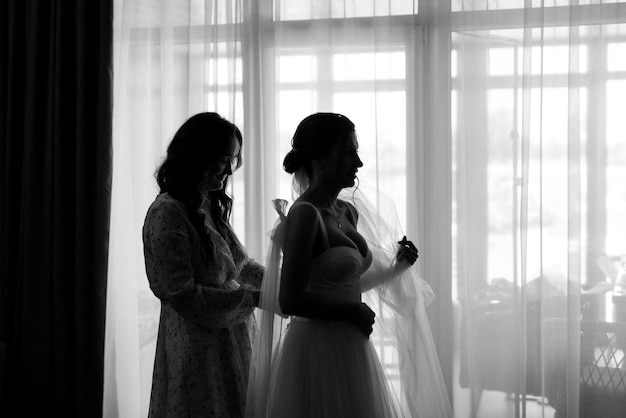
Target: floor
(499,405)
(496,404)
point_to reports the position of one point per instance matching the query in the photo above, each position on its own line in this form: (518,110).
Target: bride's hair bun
(293,161)
(314,138)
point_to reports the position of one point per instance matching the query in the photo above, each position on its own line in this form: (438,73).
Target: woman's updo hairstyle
(313,139)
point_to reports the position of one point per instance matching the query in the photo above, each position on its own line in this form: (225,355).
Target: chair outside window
(602,368)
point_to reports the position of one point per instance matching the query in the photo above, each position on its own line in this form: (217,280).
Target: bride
(323,364)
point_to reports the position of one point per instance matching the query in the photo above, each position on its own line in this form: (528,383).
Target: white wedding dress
(303,367)
(330,369)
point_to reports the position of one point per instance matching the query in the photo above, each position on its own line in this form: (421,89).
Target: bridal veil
(402,334)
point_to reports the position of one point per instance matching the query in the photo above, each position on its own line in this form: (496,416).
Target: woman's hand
(254,293)
(407,253)
(256,296)
(364,319)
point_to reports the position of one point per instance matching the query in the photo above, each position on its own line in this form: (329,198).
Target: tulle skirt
(328,369)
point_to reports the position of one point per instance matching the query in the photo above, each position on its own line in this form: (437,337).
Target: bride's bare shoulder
(303,208)
(303,221)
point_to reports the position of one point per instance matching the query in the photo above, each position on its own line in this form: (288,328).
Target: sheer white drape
(172,59)
(533,157)
(264,65)
(494,125)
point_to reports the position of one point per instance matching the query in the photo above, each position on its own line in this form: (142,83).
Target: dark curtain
(55,177)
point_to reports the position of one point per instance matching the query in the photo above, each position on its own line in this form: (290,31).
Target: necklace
(337,218)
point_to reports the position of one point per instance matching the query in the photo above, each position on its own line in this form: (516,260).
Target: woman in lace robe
(199,270)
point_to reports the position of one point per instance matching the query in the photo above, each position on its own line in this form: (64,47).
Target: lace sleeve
(169,257)
(251,274)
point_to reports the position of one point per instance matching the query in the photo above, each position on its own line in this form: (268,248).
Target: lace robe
(203,346)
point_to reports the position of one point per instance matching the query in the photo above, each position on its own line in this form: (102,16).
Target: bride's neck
(321,197)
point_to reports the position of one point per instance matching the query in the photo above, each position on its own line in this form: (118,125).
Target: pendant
(337,218)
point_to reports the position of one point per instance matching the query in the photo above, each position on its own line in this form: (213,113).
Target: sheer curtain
(493,125)
(535,90)
(172,59)
(265,65)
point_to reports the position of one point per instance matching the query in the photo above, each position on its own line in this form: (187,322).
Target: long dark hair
(200,141)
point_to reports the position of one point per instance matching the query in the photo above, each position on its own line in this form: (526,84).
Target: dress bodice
(335,273)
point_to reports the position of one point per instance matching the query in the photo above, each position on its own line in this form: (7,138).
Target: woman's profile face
(219,169)
(352,160)
(343,161)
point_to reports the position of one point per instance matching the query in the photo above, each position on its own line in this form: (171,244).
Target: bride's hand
(407,253)
(364,319)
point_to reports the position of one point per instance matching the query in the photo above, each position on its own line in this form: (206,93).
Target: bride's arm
(405,257)
(372,278)
(302,230)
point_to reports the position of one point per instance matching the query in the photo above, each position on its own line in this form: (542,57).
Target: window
(493,82)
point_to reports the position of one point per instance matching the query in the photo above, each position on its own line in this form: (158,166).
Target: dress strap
(319,216)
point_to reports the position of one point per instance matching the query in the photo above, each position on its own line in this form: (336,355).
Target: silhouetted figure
(197,267)
(325,365)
